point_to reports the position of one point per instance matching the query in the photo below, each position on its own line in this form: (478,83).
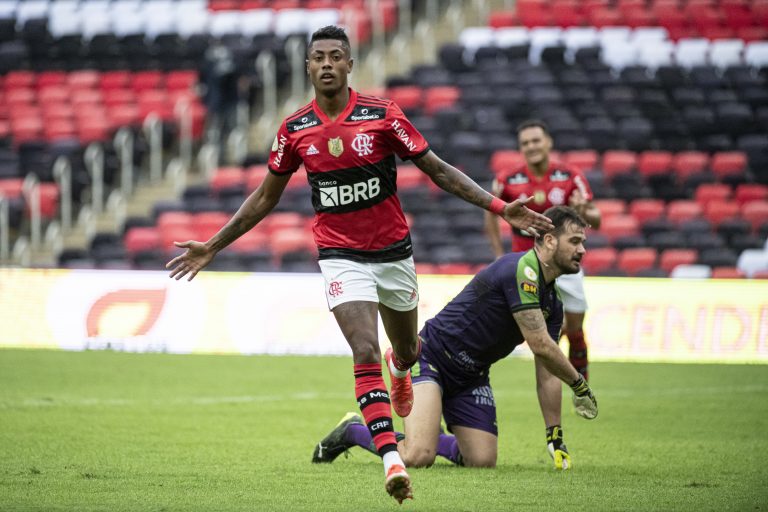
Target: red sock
(405,366)
(373,400)
(577,352)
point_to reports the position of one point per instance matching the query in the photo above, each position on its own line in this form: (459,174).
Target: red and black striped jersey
(552,189)
(350,165)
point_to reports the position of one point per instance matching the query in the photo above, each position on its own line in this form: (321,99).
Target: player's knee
(363,352)
(419,457)
(480,461)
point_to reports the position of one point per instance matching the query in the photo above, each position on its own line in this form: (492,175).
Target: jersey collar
(344,113)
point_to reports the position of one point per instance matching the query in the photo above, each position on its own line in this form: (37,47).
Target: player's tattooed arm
(534,329)
(452,180)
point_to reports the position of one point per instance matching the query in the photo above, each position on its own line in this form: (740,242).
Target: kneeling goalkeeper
(515,299)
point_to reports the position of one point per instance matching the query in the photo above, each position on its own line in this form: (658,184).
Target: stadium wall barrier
(138,311)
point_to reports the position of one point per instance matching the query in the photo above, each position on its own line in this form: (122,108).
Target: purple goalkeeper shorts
(467,396)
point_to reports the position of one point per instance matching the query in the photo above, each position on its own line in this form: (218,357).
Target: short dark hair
(561,217)
(533,123)
(332,32)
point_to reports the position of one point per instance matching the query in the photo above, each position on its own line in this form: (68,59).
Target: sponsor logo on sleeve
(530,274)
(280,150)
(529,287)
(312,150)
(518,179)
(559,175)
(403,135)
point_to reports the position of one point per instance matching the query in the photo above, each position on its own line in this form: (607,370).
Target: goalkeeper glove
(583,400)
(556,448)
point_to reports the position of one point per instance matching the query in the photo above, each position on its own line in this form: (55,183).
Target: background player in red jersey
(348,143)
(549,183)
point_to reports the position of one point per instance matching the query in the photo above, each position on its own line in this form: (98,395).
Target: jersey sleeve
(581,184)
(283,157)
(521,287)
(404,139)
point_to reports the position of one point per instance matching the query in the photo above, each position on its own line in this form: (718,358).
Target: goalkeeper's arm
(534,329)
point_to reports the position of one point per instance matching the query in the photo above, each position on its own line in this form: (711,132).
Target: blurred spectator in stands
(551,184)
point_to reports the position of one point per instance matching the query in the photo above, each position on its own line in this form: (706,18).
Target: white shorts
(572,292)
(392,284)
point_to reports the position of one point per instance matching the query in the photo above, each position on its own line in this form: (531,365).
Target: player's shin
(373,400)
(577,352)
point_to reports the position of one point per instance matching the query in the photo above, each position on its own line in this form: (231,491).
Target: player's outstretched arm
(198,254)
(534,329)
(456,182)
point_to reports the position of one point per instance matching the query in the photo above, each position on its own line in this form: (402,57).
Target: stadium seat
(142,239)
(718,210)
(727,273)
(728,163)
(598,260)
(752,261)
(707,192)
(671,258)
(651,163)
(620,225)
(505,160)
(634,260)
(610,207)
(748,192)
(618,162)
(646,209)
(756,213)
(682,210)
(693,271)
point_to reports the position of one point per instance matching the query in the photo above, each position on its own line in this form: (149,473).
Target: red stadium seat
(254,176)
(640,18)
(174,219)
(437,98)
(634,260)
(83,79)
(227,177)
(727,273)
(598,260)
(141,239)
(147,80)
(646,209)
(251,241)
(670,258)
(290,239)
(206,224)
(11,188)
(408,97)
(716,211)
(756,212)
(686,163)
(455,268)
(53,94)
(535,16)
(173,234)
(610,207)
(505,160)
(760,274)
(748,192)
(499,19)
(410,176)
(426,268)
(729,163)
(584,160)
(19,79)
(278,221)
(750,34)
(48,78)
(682,210)
(606,17)
(707,192)
(181,80)
(110,80)
(617,226)
(619,162)
(651,163)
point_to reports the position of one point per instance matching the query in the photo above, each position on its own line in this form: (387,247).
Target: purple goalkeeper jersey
(477,328)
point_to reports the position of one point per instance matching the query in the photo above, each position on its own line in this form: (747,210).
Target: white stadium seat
(756,54)
(225,22)
(691,52)
(619,55)
(726,52)
(653,54)
(691,272)
(257,21)
(543,37)
(31,9)
(505,37)
(642,35)
(473,38)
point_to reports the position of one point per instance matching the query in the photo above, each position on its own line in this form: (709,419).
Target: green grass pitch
(153,432)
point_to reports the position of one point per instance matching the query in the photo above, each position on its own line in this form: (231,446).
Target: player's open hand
(584,401)
(194,259)
(521,217)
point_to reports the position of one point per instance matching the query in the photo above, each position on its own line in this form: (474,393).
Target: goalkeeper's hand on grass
(584,401)
(556,448)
